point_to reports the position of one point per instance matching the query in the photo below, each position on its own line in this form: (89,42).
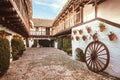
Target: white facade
(113,46)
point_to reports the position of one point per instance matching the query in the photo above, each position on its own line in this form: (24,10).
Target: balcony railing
(39,33)
(21,8)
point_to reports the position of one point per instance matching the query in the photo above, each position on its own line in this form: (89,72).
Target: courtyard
(50,64)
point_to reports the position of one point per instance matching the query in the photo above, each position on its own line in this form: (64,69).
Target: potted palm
(102,27)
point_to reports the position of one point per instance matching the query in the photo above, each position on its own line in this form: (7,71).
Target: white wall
(55,44)
(110,10)
(113,46)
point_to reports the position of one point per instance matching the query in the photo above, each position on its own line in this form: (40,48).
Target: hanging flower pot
(77,38)
(80,31)
(102,27)
(84,37)
(72,38)
(4,34)
(112,36)
(95,37)
(75,31)
(88,29)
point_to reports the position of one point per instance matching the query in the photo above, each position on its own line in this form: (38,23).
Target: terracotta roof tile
(42,22)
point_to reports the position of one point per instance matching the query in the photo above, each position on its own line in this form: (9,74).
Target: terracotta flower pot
(77,38)
(74,32)
(88,29)
(84,38)
(80,31)
(82,59)
(112,36)
(3,35)
(102,27)
(72,38)
(95,37)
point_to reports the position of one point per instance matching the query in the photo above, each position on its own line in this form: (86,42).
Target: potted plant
(95,37)
(102,27)
(88,29)
(77,38)
(112,36)
(74,31)
(3,34)
(84,37)
(80,55)
(72,37)
(80,31)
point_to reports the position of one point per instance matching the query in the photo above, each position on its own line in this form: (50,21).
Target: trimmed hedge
(17,48)
(4,55)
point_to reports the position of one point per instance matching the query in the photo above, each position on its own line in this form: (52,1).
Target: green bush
(17,48)
(4,55)
(60,43)
(64,43)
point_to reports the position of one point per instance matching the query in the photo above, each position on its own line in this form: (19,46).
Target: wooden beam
(5,9)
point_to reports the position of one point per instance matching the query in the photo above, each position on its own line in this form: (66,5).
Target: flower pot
(84,38)
(95,37)
(80,31)
(88,29)
(72,38)
(82,59)
(112,36)
(77,38)
(74,32)
(102,27)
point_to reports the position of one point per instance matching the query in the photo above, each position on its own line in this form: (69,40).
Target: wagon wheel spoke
(101,54)
(96,66)
(97,56)
(102,58)
(101,51)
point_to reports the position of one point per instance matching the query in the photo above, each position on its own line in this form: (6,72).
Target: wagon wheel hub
(94,55)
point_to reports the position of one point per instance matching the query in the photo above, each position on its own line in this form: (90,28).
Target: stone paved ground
(50,64)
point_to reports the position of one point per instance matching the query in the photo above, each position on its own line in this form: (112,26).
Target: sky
(47,9)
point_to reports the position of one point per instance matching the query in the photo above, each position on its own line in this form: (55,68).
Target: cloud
(53,4)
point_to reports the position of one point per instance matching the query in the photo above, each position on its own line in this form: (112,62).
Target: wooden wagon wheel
(97,56)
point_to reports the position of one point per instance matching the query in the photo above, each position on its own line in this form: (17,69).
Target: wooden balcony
(40,34)
(14,15)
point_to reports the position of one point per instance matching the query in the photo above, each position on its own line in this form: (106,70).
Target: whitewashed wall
(113,46)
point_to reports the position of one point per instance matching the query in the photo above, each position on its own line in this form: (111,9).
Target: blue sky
(47,9)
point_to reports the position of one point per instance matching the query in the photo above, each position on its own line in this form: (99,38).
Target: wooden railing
(21,8)
(39,33)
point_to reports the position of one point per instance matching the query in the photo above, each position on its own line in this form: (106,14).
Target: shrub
(17,48)
(4,55)
(60,43)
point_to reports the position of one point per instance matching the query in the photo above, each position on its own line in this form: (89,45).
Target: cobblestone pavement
(50,64)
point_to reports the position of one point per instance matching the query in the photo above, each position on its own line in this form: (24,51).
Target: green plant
(4,55)
(80,55)
(60,43)
(102,27)
(74,31)
(77,38)
(112,36)
(17,48)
